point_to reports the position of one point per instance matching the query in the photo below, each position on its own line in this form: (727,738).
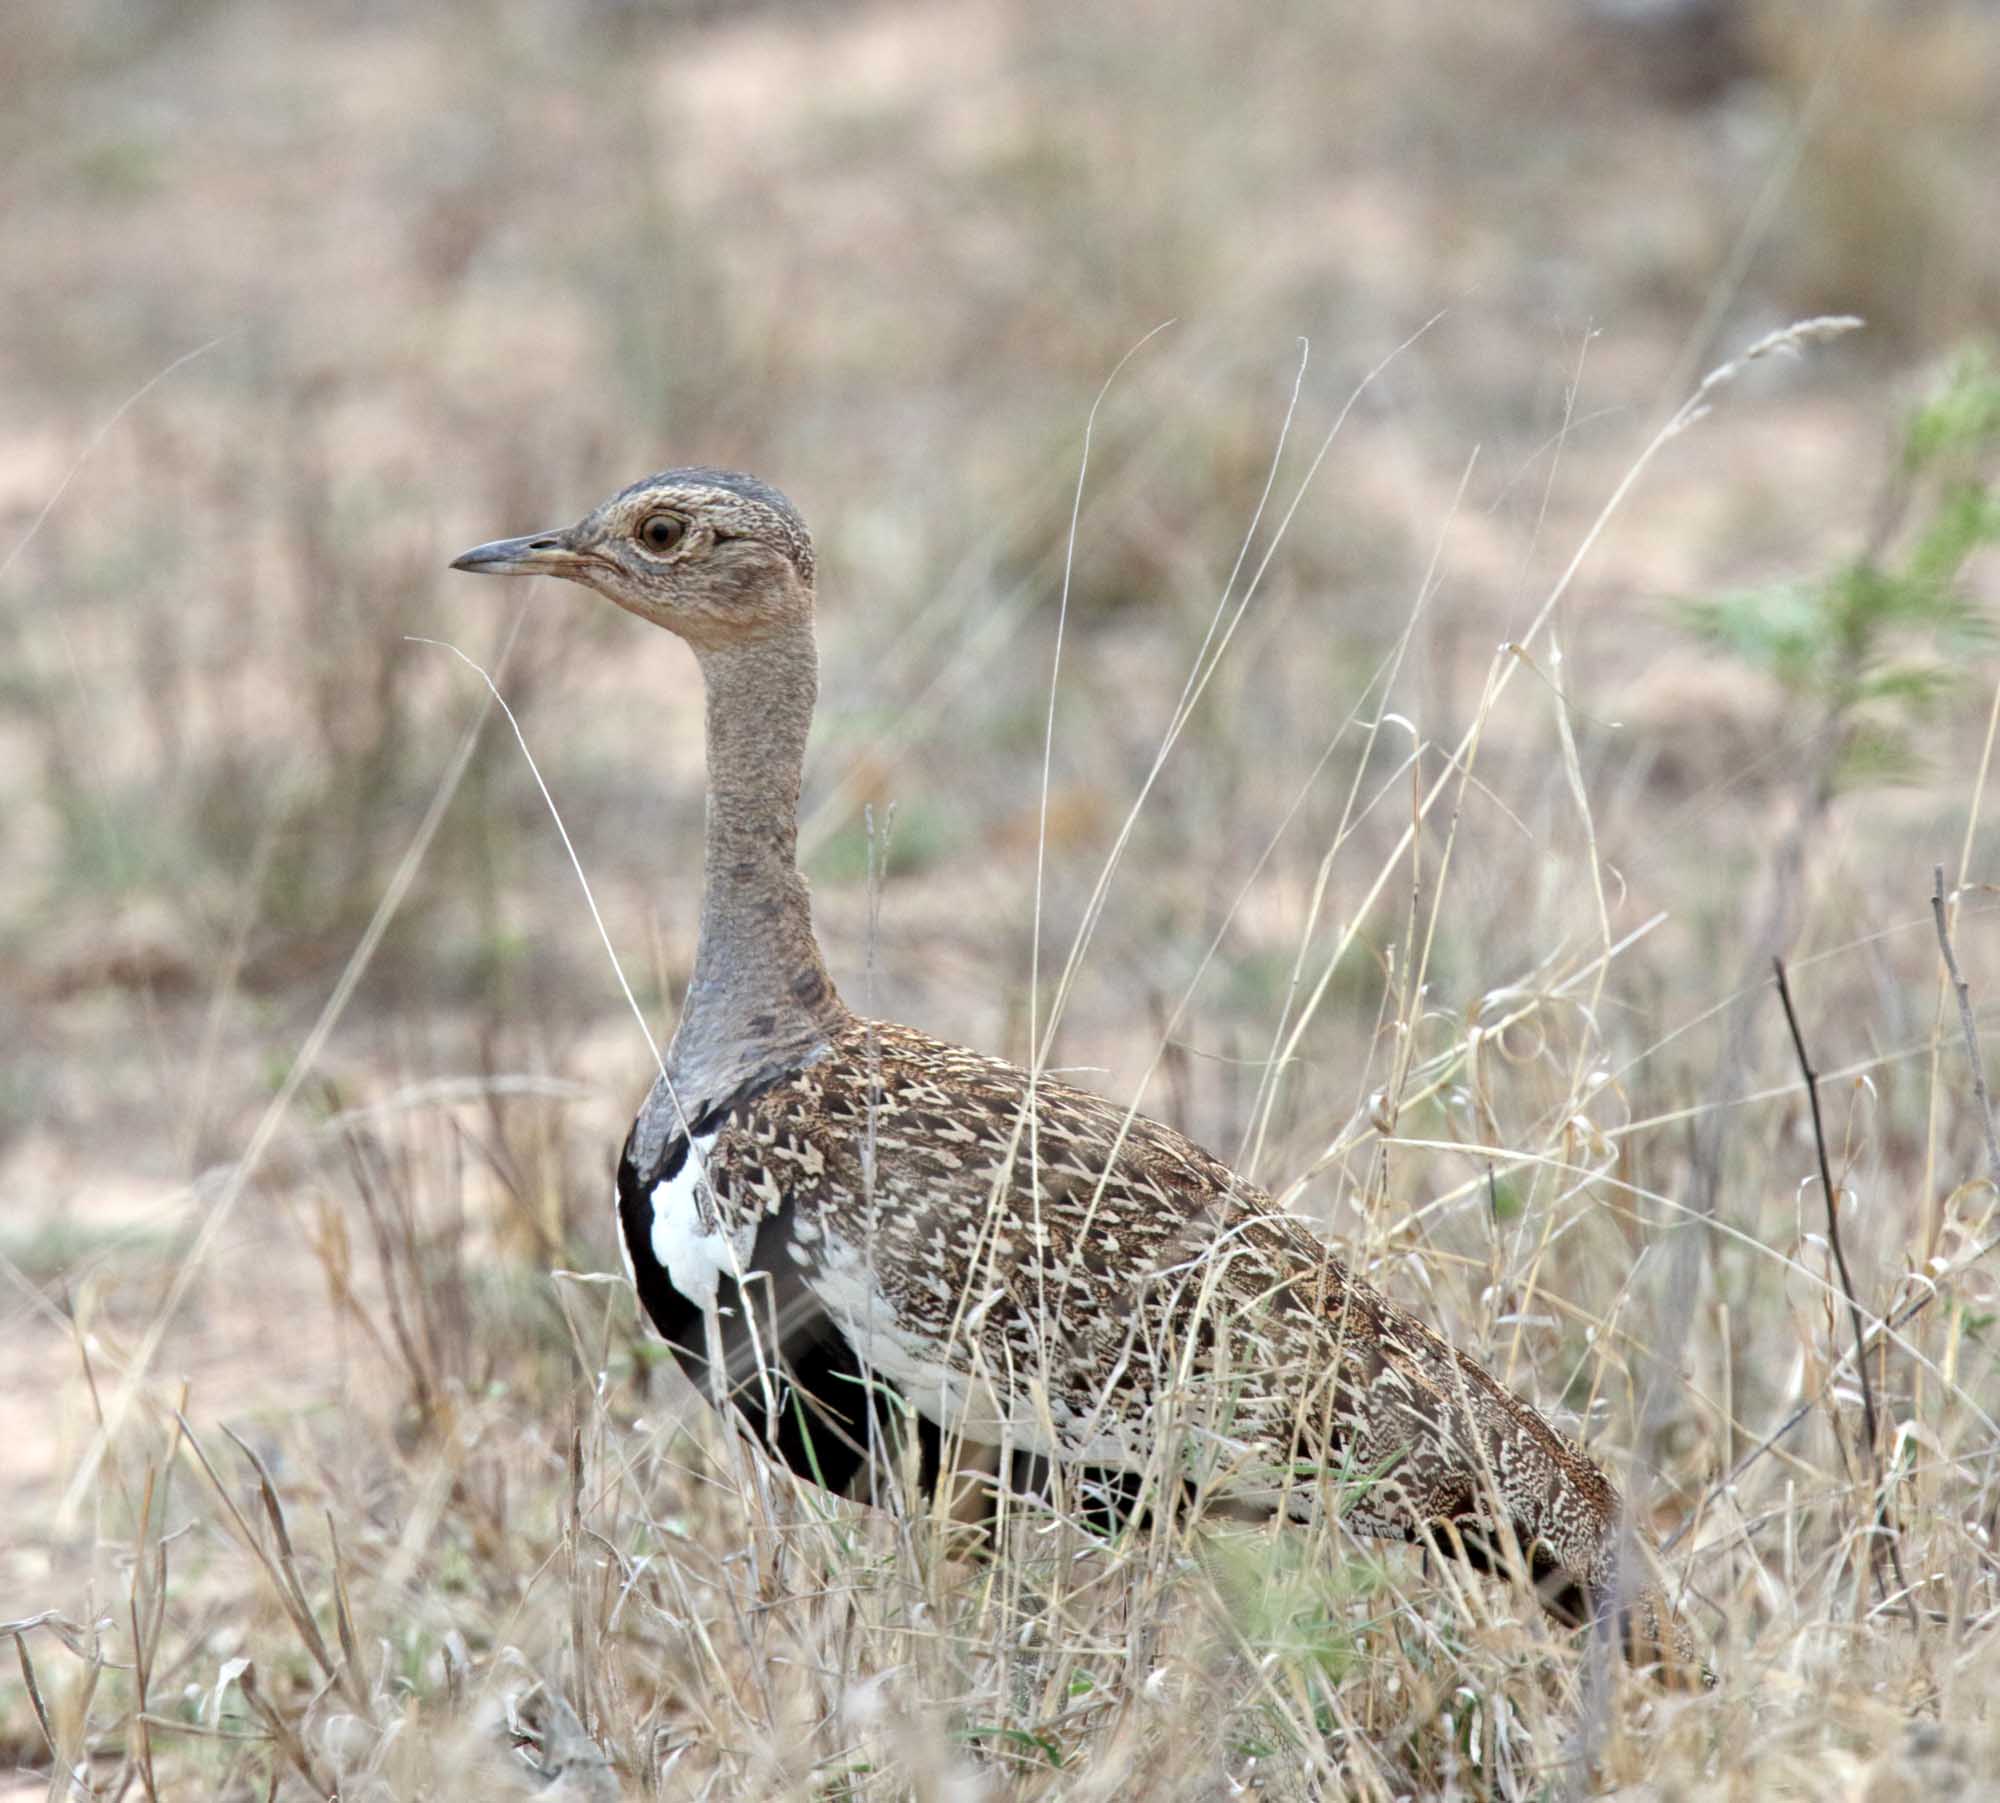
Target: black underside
(792,1378)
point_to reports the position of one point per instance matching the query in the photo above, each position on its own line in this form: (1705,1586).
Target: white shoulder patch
(687,1237)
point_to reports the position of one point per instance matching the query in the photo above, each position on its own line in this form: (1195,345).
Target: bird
(875,1249)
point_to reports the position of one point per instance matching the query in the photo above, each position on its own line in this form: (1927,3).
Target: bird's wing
(1084,1283)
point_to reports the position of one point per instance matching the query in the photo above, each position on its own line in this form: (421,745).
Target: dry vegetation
(332,1463)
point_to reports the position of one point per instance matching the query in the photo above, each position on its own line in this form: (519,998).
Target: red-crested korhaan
(866,1242)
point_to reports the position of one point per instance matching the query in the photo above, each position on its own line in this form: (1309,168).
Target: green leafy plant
(1880,642)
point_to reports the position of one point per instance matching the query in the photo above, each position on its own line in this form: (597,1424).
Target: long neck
(760,993)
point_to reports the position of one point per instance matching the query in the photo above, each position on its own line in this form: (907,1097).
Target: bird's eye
(662,531)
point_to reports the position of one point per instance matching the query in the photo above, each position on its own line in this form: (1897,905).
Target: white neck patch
(687,1238)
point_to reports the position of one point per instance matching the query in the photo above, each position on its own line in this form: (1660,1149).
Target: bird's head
(719,558)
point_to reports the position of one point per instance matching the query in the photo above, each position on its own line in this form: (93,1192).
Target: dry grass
(318,1479)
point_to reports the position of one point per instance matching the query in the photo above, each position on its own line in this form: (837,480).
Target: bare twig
(1868,1418)
(1832,1212)
(1967,1025)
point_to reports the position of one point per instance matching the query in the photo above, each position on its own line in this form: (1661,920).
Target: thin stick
(1968,1025)
(1832,1214)
(1847,1285)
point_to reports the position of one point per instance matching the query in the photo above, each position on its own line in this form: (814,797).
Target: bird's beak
(542,554)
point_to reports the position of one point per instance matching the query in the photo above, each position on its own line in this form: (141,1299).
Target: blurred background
(298,301)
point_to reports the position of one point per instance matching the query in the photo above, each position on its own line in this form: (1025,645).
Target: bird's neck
(760,995)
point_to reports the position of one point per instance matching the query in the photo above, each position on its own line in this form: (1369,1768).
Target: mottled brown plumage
(1104,1292)
(856,1235)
